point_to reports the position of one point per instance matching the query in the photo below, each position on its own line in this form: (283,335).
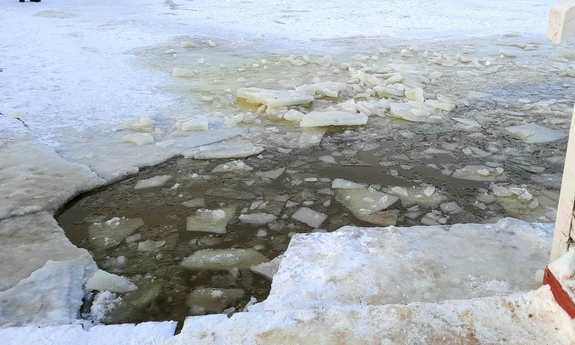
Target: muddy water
(384,154)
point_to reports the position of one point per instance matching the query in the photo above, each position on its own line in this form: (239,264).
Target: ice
(274,98)
(219,151)
(293,115)
(198,202)
(468,124)
(215,221)
(144,124)
(183,72)
(309,217)
(197,124)
(324,61)
(257,218)
(236,165)
(223,259)
(412,113)
(156,181)
(415,94)
(429,191)
(104,302)
(563,269)
(328,159)
(339,183)
(332,118)
(150,246)
(104,281)
(440,105)
(272,174)
(479,173)
(213,300)
(532,133)
(139,138)
(365,201)
(327,88)
(400,191)
(268,269)
(110,233)
(310,137)
(450,208)
(188,44)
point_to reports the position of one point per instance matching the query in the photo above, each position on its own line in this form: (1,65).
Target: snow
(104,281)
(223,259)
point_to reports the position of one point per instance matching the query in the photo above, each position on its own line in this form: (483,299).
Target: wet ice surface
(454,134)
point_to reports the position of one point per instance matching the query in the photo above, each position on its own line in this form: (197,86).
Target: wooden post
(561,27)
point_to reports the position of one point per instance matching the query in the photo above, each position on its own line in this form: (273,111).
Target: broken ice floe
(414,112)
(104,281)
(215,221)
(257,218)
(332,118)
(310,217)
(213,300)
(139,138)
(365,204)
(236,165)
(274,98)
(156,181)
(144,124)
(268,269)
(480,173)
(223,259)
(110,233)
(532,133)
(198,124)
(218,151)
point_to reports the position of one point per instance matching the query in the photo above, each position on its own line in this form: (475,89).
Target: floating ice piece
(188,44)
(415,94)
(182,72)
(532,133)
(223,259)
(232,166)
(328,159)
(293,115)
(268,269)
(104,281)
(198,202)
(332,118)
(144,124)
(272,174)
(468,123)
(429,191)
(383,218)
(112,232)
(450,208)
(479,173)
(339,183)
(324,61)
(362,202)
(198,124)
(326,88)
(400,191)
(274,98)
(150,246)
(404,111)
(257,218)
(310,137)
(155,181)
(215,221)
(309,217)
(218,151)
(213,300)
(139,138)
(440,105)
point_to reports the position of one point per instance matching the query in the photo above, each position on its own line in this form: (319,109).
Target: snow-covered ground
(73,73)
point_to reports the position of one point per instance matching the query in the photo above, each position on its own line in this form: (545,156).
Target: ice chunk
(188,44)
(440,105)
(215,221)
(328,159)
(479,173)
(415,94)
(198,202)
(332,118)
(365,201)
(310,137)
(257,218)
(104,302)
(213,300)
(532,133)
(324,61)
(232,166)
(182,72)
(274,98)
(197,124)
(223,259)
(144,124)
(468,123)
(151,182)
(139,138)
(339,183)
(309,217)
(293,115)
(218,151)
(450,208)
(404,111)
(112,232)
(268,269)
(326,88)
(104,281)
(429,191)
(272,174)
(150,246)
